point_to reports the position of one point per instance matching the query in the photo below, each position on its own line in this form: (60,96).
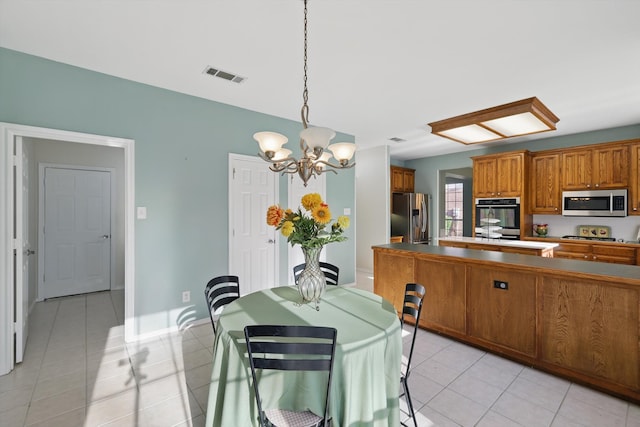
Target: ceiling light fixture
(518,118)
(313,142)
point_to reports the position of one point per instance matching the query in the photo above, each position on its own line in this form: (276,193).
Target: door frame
(8,133)
(41,217)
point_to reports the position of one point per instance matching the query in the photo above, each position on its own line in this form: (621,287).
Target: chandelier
(314,141)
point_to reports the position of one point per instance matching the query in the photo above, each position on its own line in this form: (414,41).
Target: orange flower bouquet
(308,229)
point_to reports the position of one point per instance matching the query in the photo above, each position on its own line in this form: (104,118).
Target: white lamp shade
(317,136)
(325,158)
(281,154)
(343,150)
(270,141)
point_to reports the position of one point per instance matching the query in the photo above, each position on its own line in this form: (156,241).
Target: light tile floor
(79,372)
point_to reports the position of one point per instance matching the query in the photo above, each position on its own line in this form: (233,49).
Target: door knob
(105,236)
(271,241)
(29,252)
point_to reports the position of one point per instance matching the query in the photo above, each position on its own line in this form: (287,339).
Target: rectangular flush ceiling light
(518,118)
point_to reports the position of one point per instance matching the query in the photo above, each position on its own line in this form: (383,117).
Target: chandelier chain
(305,92)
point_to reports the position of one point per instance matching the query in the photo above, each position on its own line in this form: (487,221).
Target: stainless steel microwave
(594,203)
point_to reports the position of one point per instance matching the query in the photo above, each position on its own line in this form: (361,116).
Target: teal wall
(426,176)
(181,155)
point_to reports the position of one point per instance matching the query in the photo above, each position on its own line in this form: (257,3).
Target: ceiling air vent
(224,75)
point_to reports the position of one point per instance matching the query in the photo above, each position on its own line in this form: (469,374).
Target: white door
(295,193)
(77,231)
(253,249)
(23,249)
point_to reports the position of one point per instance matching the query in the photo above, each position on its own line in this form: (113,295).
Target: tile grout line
(46,347)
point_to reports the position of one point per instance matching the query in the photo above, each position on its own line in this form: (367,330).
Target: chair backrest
(411,309)
(290,348)
(219,292)
(331,272)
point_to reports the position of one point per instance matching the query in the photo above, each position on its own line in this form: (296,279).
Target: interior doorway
(12,237)
(455,202)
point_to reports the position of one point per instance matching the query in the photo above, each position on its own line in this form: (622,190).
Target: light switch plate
(142,212)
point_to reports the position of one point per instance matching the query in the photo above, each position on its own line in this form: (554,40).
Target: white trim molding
(8,133)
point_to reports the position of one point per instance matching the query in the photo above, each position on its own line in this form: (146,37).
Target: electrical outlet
(186,296)
(499,284)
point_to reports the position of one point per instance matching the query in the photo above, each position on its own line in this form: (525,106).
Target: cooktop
(603,239)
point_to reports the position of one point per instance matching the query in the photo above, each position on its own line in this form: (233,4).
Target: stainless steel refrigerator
(410,217)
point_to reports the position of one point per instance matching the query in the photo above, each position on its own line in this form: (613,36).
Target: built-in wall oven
(498,217)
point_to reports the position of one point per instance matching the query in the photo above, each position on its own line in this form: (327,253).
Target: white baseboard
(165,331)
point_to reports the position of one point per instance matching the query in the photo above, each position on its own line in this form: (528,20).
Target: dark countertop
(628,272)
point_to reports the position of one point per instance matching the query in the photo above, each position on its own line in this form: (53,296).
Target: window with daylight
(453,211)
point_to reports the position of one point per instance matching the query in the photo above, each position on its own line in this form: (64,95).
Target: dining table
(366,373)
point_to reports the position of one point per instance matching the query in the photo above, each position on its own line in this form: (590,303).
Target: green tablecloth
(366,378)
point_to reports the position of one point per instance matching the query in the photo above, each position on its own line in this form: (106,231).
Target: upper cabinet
(500,175)
(634,184)
(539,178)
(402,180)
(545,194)
(595,168)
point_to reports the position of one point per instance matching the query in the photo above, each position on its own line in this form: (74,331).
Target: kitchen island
(543,249)
(575,319)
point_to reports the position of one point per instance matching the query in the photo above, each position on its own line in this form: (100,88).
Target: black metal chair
(291,348)
(330,271)
(411,308)
(219,292)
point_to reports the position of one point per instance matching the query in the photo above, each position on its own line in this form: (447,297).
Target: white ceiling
(377,68)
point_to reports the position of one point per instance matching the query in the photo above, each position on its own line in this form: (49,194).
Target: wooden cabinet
(444,307)
(595,168)
(572,251)
(545,194)
(505,317)
(503,175)
(484,177)
(591,328)
(393,270)
(634,183)
(600,252)
(499,175)
(402,180)
(582,324)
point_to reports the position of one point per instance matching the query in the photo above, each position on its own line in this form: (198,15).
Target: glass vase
(312,282)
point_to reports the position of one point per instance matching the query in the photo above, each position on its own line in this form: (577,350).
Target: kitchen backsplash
(621,228)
